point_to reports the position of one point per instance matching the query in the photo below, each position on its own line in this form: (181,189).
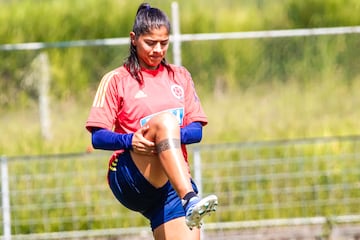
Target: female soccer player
(147,111)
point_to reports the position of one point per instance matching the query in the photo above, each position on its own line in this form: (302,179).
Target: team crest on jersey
(177,91)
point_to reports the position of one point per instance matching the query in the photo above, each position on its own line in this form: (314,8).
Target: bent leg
(176,229)
(169,164)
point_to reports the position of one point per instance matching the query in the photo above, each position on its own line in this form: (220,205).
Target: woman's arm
(191,133)
(108,140)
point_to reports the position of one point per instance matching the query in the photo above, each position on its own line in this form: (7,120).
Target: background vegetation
(261,89)
(251,89)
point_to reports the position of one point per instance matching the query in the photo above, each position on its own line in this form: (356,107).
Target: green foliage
(320,13)
(223,70)
(230,64)
(260,89)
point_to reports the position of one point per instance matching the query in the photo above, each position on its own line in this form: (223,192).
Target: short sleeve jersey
(123,105)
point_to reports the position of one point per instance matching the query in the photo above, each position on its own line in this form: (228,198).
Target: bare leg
(169,164)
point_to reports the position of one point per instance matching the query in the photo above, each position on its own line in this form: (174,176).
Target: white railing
(5,199)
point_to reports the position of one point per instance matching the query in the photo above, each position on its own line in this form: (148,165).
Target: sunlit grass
(283,111)
(266,112)
(262,112)
(22,134)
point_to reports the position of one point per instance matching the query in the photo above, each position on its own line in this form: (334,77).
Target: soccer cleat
(198,208)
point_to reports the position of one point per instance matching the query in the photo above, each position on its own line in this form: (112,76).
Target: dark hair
(147,18)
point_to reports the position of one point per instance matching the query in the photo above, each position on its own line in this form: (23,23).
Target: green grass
(22,135)
(283,180)
(266,112)
(283,111)
(251,90)
(263,112)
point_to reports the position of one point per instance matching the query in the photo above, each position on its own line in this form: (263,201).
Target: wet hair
(147,18)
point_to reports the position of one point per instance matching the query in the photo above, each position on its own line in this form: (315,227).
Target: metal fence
(307,182)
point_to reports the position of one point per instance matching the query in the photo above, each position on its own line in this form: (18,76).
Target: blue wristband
(191,133)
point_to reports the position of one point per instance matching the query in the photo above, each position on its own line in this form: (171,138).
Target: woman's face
(151,47)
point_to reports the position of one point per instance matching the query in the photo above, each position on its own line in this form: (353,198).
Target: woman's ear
(132,38)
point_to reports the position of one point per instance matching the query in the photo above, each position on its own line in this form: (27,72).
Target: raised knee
(166,119)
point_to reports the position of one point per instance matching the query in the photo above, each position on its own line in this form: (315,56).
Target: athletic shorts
(130,187)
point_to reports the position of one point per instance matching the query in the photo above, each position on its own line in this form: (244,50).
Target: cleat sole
(203,208)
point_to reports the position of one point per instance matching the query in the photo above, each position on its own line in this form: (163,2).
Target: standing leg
(176,229)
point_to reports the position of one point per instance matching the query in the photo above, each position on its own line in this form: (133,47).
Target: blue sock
(185,201)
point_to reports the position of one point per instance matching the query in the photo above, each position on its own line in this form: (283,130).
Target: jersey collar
(153,72)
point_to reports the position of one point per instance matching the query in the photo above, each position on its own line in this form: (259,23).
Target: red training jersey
(123,105)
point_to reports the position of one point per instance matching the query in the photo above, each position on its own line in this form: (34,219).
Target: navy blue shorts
(130,187)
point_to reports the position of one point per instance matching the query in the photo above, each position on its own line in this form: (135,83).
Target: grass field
(321,100)
(284,111)
(266,112)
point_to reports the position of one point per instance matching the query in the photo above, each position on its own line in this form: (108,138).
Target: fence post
(43,89)
(197,169)
(176,33)
(38,78)
(5,199)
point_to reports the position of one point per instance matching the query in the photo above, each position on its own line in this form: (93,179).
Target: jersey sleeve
(106,103)
(193,108)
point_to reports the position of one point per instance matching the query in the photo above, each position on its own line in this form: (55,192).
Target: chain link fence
(307,182)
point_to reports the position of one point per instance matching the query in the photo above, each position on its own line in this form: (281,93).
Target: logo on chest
(177,91)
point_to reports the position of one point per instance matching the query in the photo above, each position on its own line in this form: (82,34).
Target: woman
(147,111)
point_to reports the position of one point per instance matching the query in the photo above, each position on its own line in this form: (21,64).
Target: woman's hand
(141,145)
